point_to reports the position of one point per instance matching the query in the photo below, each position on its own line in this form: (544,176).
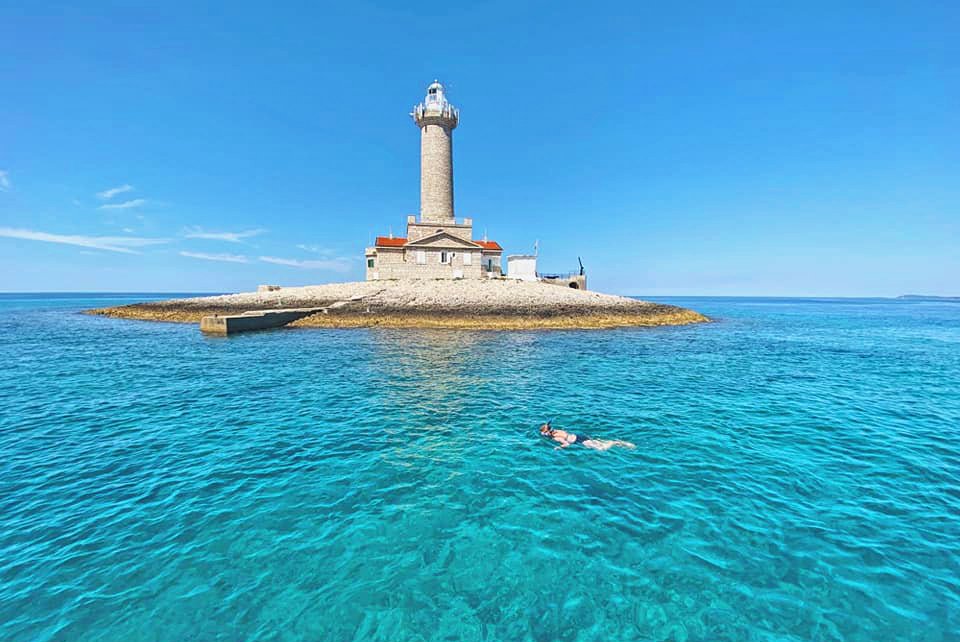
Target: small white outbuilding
(522,267)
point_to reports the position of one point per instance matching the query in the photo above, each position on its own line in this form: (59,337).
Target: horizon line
(676,296)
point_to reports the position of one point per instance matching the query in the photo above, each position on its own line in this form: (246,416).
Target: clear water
(797,477)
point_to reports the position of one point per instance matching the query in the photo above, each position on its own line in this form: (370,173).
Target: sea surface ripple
(797,477)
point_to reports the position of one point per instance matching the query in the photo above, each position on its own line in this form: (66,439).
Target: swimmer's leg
(598,444)
(606,444)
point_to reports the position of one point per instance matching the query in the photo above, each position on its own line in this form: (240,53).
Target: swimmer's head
(545,429)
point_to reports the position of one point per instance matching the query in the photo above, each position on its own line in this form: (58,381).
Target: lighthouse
(438,245)
(437,119)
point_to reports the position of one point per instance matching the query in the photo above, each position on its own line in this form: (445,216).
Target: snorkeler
(565,439)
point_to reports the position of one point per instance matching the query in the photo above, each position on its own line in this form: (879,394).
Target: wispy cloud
(339,264)
(316,249)
(107,194)
(4,180)
(137,202)
(231,237)
(110,243)
(227,258)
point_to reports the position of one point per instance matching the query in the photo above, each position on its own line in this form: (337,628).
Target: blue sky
(680,148)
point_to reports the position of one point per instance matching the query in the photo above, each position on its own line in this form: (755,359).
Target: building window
(468,259)
(369,263)
(444,257)
(421,257)
(489,265)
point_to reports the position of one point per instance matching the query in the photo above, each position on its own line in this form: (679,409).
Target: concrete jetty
(253,320)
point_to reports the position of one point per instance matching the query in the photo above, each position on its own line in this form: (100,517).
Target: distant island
(926,297)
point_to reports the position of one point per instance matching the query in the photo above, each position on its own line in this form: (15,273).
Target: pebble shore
(467,304)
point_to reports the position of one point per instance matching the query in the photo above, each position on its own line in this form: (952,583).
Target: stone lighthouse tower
(436,119)
(438,246)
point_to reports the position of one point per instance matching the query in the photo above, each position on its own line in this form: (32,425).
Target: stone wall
(401,263)
(436,173)
(417,231)
(574,281)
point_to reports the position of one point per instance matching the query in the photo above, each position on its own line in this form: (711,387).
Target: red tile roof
(386,241)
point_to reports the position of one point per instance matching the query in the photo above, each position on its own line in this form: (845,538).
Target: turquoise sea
(797,477)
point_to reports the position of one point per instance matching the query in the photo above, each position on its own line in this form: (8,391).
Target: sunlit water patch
(797,477)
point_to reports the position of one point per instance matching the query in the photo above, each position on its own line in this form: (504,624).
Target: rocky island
(436,276)
(498,304)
